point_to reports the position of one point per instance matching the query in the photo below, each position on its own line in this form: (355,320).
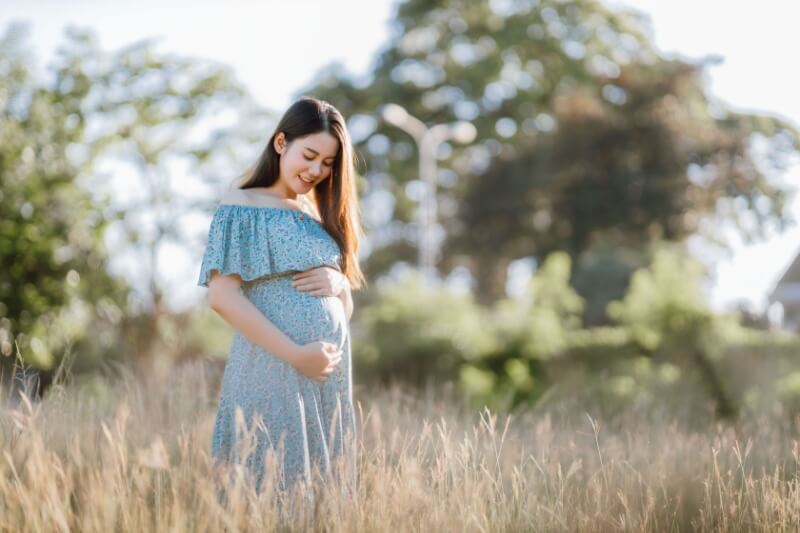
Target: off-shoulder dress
(309,425)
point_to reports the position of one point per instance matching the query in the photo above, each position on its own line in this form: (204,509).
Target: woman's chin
(303,185)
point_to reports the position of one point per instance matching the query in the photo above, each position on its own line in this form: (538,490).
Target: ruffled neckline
(257,241)
(271,208)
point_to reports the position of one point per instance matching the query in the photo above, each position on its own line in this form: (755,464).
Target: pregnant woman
(280,263)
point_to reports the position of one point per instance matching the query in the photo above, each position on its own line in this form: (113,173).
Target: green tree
(155,122)
(54,277)
(139,113)
(647,161)
(584,134)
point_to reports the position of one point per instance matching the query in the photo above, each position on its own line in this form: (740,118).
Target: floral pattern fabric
(308,424)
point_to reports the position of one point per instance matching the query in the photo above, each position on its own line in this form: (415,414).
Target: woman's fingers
(326,373)
(334,354)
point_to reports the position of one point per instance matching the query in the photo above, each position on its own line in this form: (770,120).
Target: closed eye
(312,158)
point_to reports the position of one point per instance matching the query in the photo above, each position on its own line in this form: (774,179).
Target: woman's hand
(321,281)
(316,360)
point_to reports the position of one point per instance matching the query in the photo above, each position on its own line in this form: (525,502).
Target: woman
(280,263)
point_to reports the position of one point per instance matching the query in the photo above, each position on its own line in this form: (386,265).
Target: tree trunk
(490,274)
(726,408)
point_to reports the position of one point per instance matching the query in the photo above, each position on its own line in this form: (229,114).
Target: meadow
(113,453)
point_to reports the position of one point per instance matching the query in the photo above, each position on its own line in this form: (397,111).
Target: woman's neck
(273,192)
(298,200)
(276,191)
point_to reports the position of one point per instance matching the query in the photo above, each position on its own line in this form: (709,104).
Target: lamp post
(427,140)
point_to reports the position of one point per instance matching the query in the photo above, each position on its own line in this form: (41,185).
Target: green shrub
(542,320)
(531,329)
(411,333)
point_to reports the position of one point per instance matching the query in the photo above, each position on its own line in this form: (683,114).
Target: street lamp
(427,140)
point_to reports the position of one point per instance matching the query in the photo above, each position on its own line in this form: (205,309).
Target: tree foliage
(652,163)
(54,277)
(94,148)
(585,134)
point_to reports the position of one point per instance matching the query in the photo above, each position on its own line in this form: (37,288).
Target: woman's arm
(225,298)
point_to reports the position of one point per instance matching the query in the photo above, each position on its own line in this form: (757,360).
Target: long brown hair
(336,198)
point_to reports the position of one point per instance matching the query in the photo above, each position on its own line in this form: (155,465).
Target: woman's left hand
(321,281)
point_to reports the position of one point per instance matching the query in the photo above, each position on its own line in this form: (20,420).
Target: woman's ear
(280,142)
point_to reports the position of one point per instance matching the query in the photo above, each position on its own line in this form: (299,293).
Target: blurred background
(603,207)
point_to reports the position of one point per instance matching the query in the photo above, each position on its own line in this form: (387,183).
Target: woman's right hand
(316,360)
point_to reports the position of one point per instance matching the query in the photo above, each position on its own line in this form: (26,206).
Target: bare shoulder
(234,196)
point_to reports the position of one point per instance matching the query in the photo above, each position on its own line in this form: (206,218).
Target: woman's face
(306,161)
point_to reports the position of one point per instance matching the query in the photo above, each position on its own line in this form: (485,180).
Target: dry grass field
(102,454)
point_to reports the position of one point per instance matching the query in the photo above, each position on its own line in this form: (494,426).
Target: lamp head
(463,132)
(394,114)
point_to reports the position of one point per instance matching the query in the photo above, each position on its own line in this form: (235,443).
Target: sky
(275,48)
(757,41)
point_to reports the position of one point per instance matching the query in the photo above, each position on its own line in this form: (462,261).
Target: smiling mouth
(305,180)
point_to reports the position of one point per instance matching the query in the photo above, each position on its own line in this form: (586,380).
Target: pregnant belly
(303,317)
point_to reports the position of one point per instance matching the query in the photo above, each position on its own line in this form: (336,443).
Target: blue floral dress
(306,423)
